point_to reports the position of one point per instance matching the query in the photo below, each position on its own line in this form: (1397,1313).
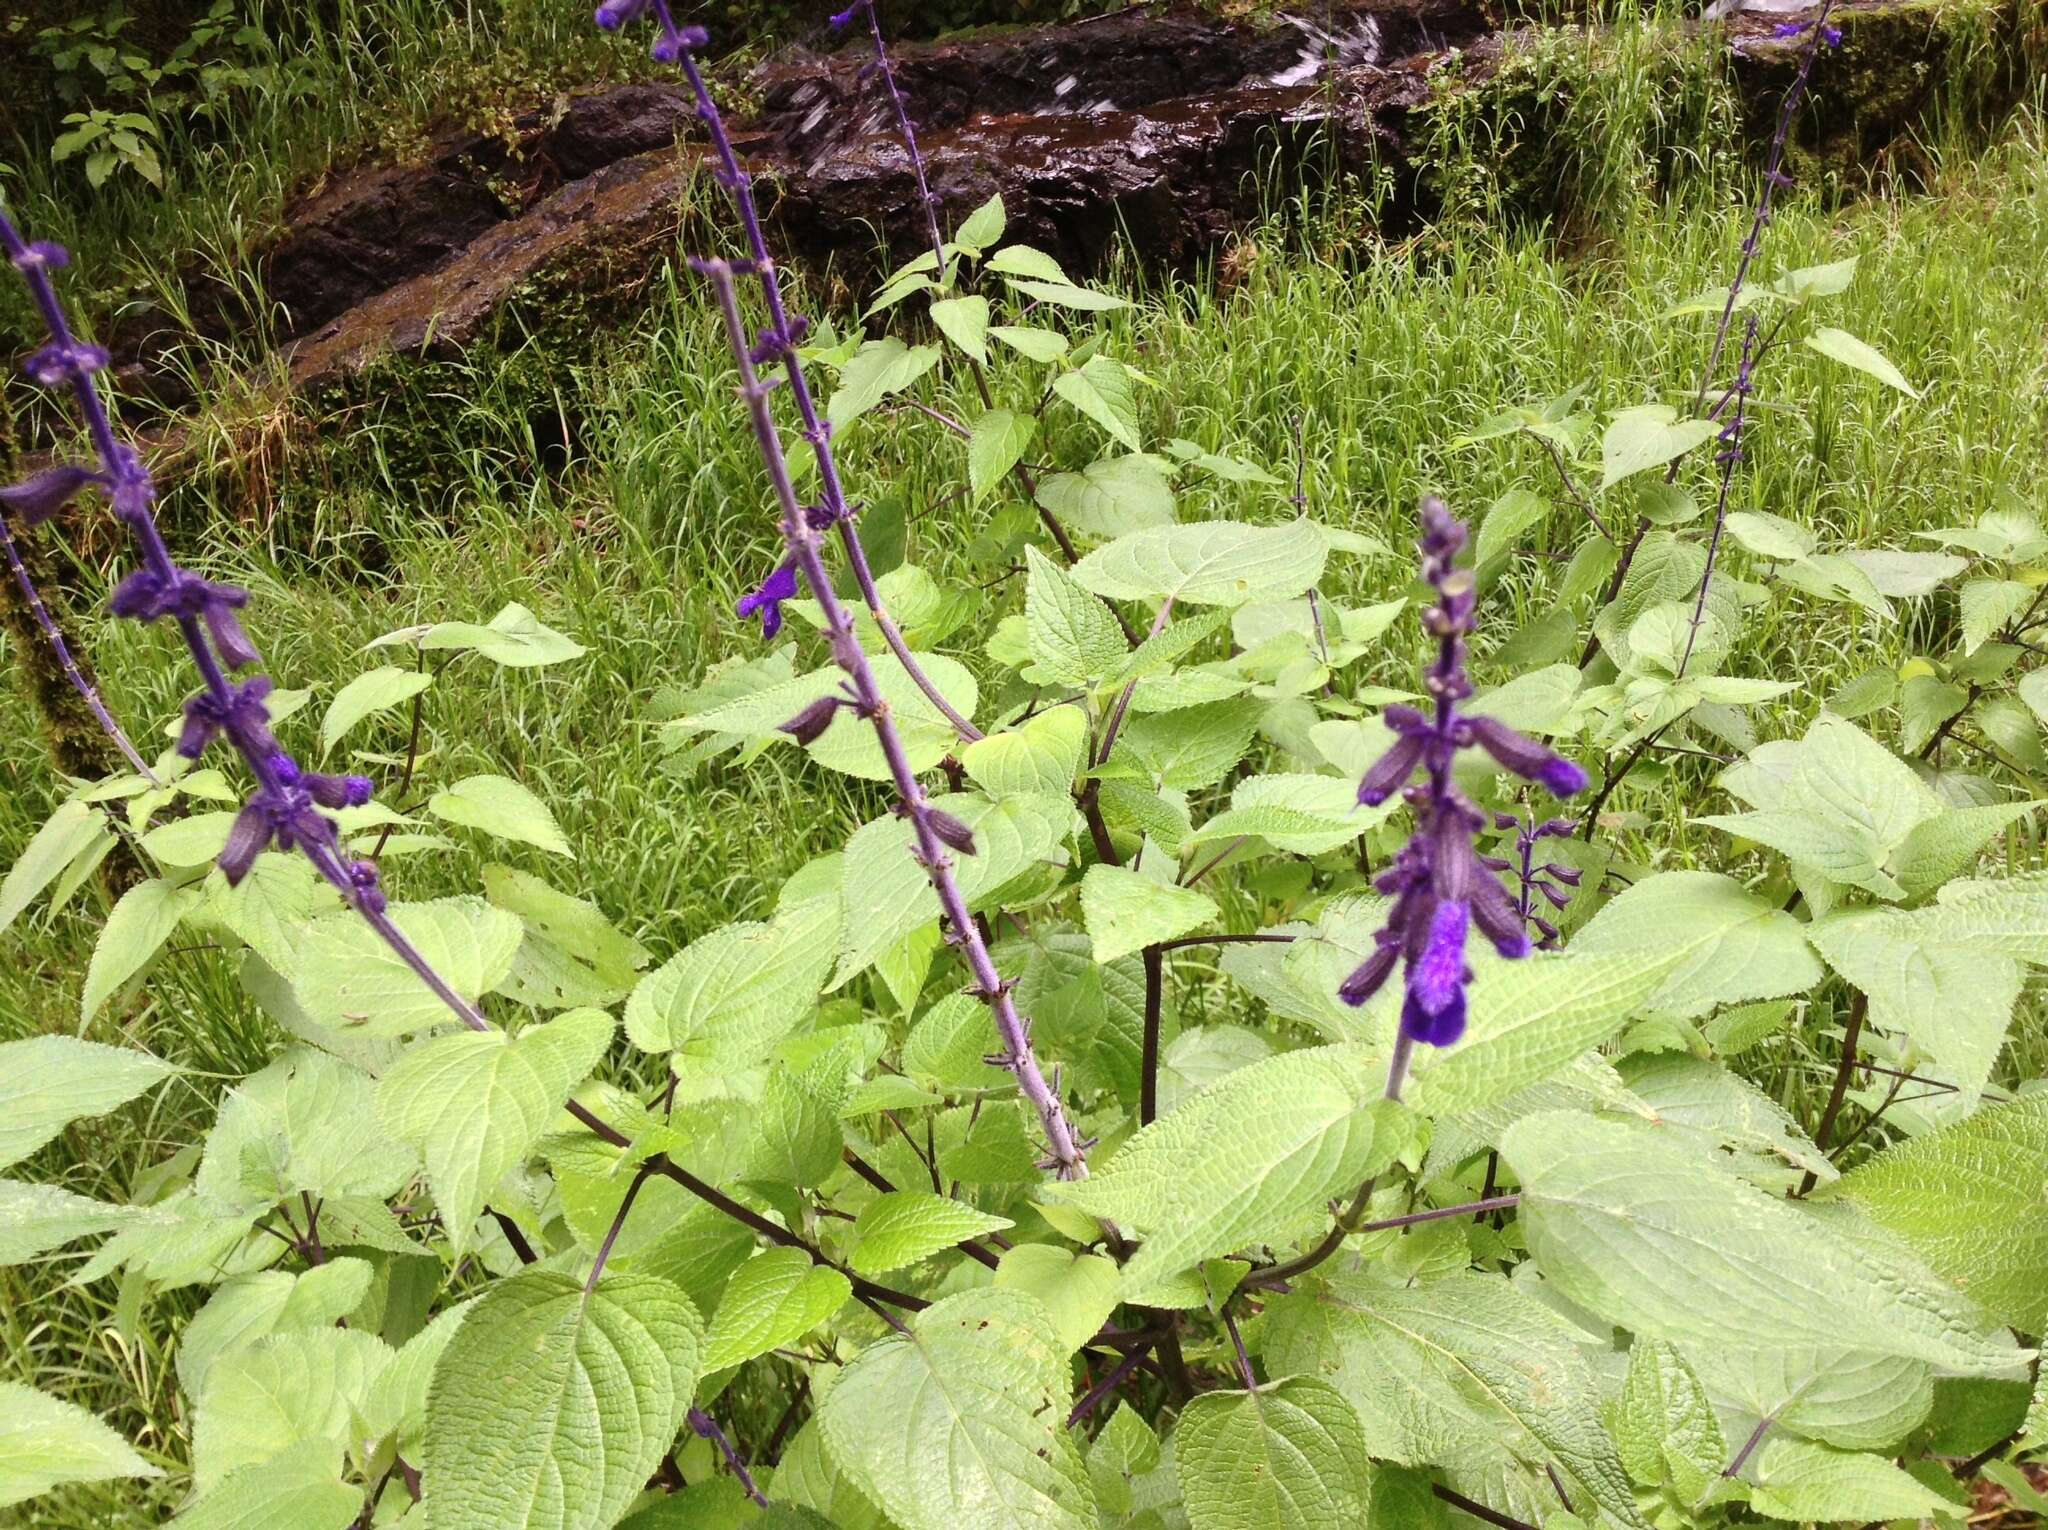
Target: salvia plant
(1214,1088)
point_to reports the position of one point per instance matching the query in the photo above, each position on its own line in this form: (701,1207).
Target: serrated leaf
(299,1126)
(475,1102)
(878,369)
(1968,1199)
(1041,345)
(1192,747)
(1074,636)
(1665,1426)
(35,1218)
(300,1487)
(552,1406)
(1065,295)
(1647,436)
(1988,605)
(736,991)
(1643,1231)
(1040,755)
(1079,1290)
(1208,563)
(1506,519)
(1288,1455)
(47,1082)
(136,929)
(984,226)
(1801,1481)
(376,691)
(350,981)
(281,1392)
(502,807)
(964,321)
(1840,345)
(515,638)
(46,1442)
(246,1309)
(774,1299)
(1126,912)
(1110,496)
(999,440)
(1483,1368)
(1713,941)
(67,835)
(980,1384)
(1226,1169)
(1101,388)
(904,1226)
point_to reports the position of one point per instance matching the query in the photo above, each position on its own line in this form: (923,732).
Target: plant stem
(611,1237)
(1756,1438)
(706,1428)
(1119,1373)
(1858,1006)
(1244,1361)
(1479,1511)
(931,851)
(54,635)
(1148,1086)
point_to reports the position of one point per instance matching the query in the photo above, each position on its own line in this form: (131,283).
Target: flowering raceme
(1438,882)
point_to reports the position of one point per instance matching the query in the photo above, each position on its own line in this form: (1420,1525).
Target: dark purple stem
(782,335)
(1730,458)
(1118,1375)
(72,672)
(706,1428)
(904,126)
(931,851)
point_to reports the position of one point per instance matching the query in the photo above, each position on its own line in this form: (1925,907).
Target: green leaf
(1770,536)
(1988,604)
(774,1299)
(878,369)
(299,1125)
(1664,1424)
(964,321)
(984,227)
(1840,345)
(1289,1455)
(1208,563)
(979,1383)
(1727,1114)
(1192,747)
(75,830)
(1647,436)
(905,1226)
(515,638)
(1079,1290)
(1506,519)
(1801,1481)
(46,1443)
(1040,755)
(887,894)
(1484,1369)
(475,1102)
(1042,345)
(373,692)
(1968,1199)
(1023,260)
(1109,497)
(245,1309)
(300,1487)
(1227,1169)
(349,980)
(278,1393)
(47,1082)
(36,1218)
(998,443)
(1299,813)
(1712,942)
(1074,637)
(1644,1231)
(1530,1019)
(552,1406)
(135,931)
(1101,388)
(733,993)
(500,806)
(1062,295)
(1126,912)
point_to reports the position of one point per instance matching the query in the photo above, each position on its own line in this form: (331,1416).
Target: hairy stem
(706,1428)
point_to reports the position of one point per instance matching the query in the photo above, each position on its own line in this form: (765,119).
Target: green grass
(642,543)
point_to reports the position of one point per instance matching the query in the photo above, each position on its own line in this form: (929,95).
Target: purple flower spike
(1832,36)
(767,601)
(1789,29)
(41,495)
(614,14)
(849,16)
(1440,885)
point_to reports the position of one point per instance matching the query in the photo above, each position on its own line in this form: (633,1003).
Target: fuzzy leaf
(774,1299)
(979,1384)
(1288,1455)
(736,991)
(500,806)
(1647,436)
(905,1226)
(1110,496)
(46,1443)
(1840,345)
(551,1407)
(1074,637)
(475,1102)
(998,443)
(380,689)
(1208,563)
(1126,912)
(350,981)
(47,1082)
(1713,942)
(1079,1290)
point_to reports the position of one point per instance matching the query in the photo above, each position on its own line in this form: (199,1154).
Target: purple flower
(41,255)
(613,14)
(148,596)
(65,361)
(850,15)
(41,495)
(767,601)
(1440,885)
(239,712)
(1832,36)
